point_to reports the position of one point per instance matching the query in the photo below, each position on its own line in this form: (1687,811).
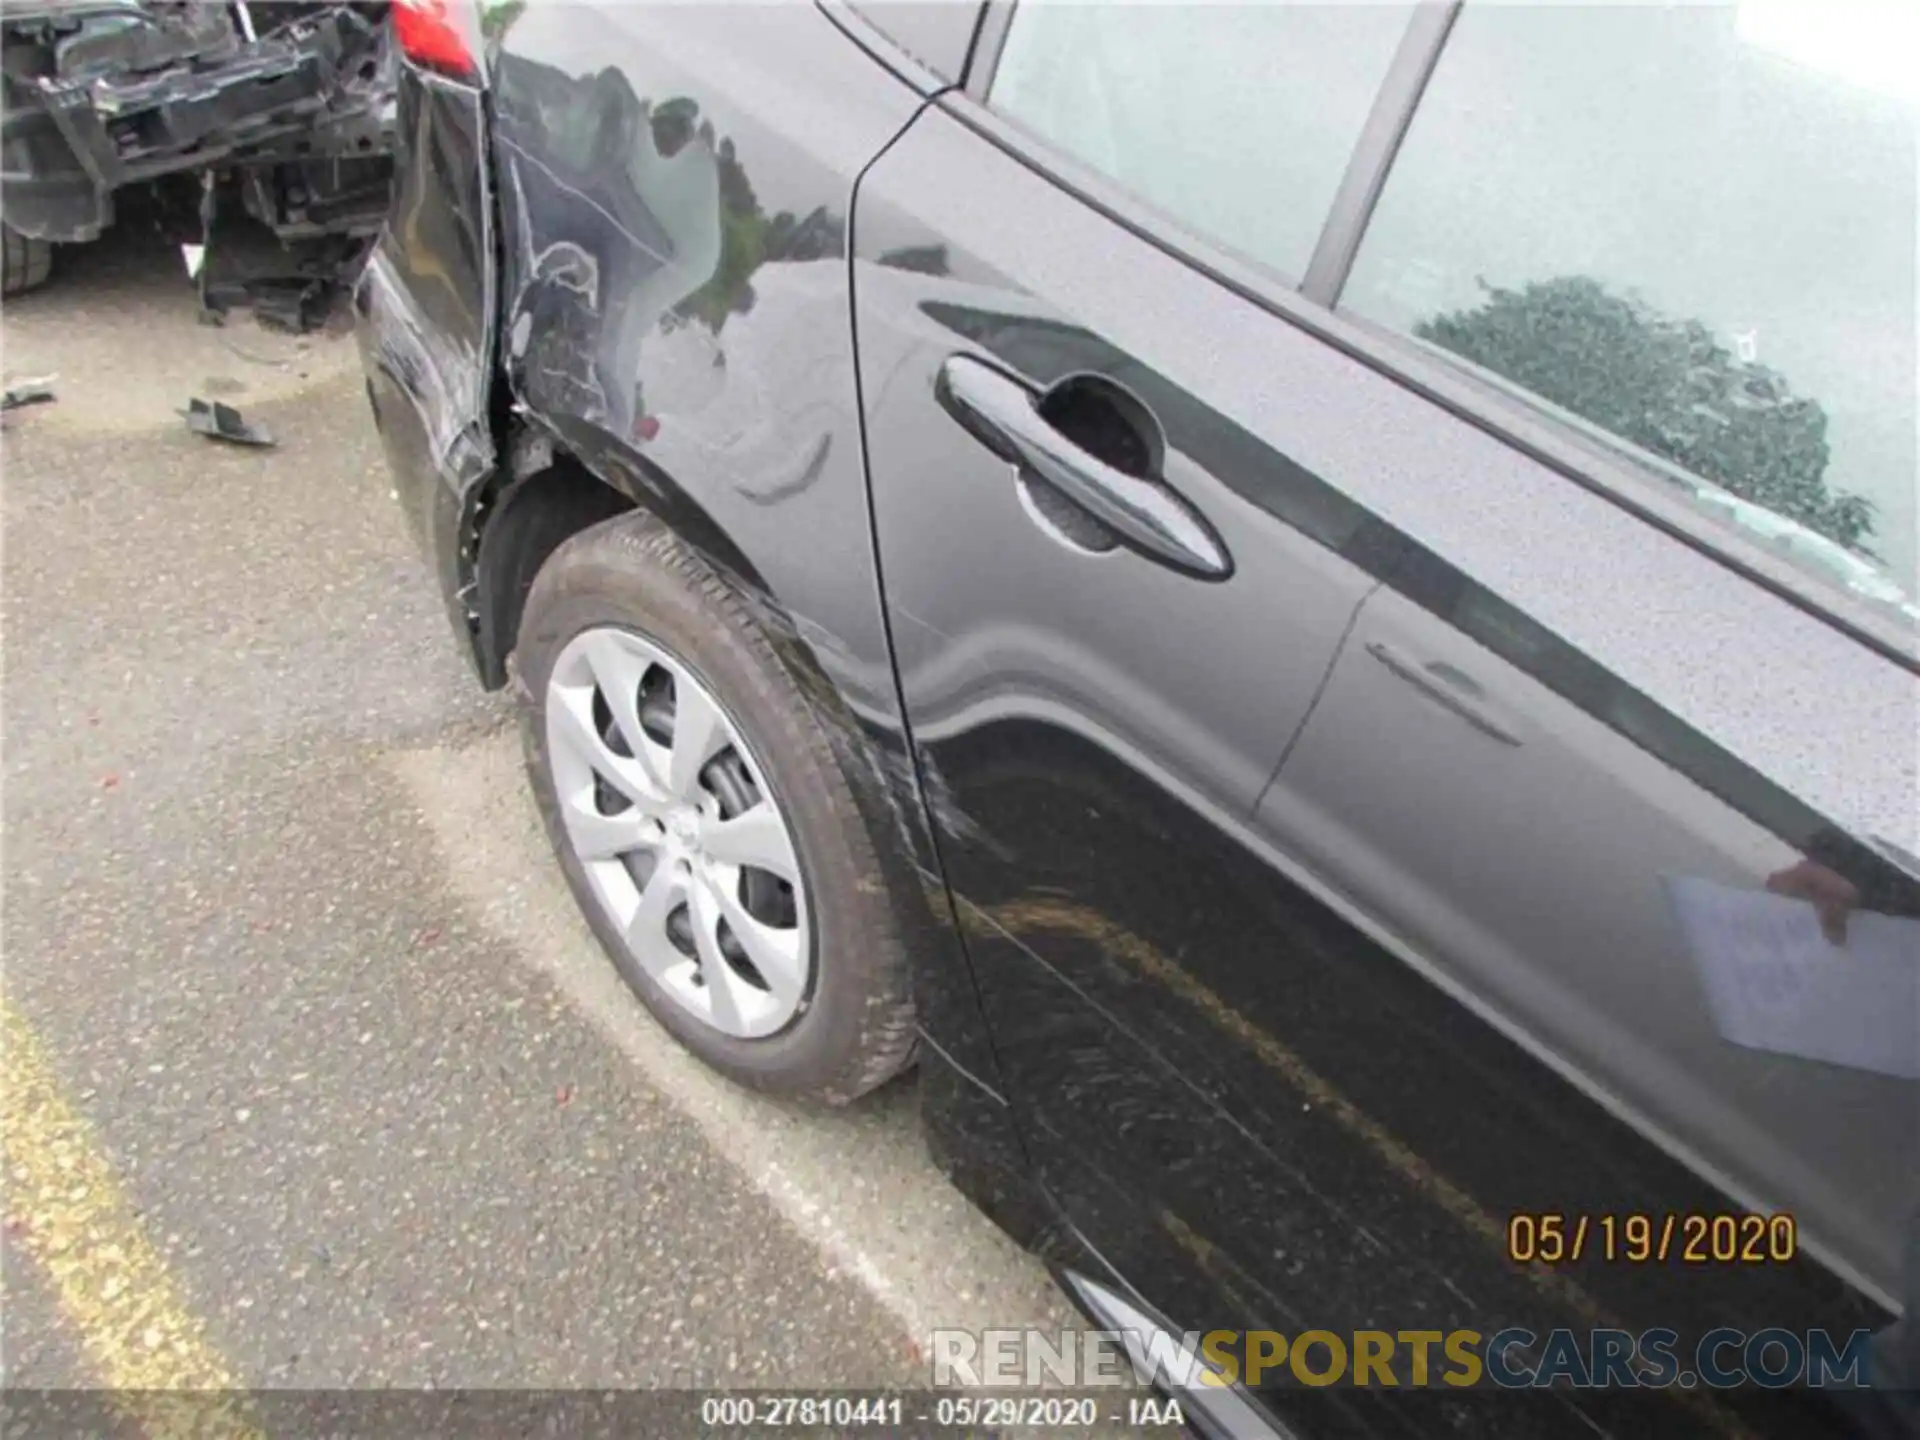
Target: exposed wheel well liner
(535,516)
(532,520)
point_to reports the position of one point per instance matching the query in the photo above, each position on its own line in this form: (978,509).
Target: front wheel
(25,262)
(703,819)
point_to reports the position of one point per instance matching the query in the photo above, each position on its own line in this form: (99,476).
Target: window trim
(944,49)
(1505,418)
(989,39)
(1374,151)
(888,52)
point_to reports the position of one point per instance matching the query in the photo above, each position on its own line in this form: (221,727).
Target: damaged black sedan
(258,135)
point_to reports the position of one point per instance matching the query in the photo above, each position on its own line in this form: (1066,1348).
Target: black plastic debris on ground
(294,286)
(292,307)
(27,392)
(223,422)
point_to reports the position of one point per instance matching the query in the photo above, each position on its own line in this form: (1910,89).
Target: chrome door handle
(1146,512)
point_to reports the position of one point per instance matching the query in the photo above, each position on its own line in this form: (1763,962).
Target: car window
(1237,120)
(1689,229)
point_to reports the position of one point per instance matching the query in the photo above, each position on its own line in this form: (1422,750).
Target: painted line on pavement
(66,1210)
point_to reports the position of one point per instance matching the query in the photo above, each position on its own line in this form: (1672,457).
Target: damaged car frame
(262,133)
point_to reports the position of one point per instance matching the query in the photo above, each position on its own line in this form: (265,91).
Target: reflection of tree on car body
(685,254)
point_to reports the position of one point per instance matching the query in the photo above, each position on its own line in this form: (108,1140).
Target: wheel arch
(547,497)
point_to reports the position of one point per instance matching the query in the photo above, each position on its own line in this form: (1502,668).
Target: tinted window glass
(1238,120)
(1692,228)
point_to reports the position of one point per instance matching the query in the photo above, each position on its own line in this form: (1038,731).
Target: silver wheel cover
(683,844)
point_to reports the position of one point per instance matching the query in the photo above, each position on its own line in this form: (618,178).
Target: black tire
(25,263)
(857,1030)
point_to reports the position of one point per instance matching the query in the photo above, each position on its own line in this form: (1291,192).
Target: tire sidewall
(25,263)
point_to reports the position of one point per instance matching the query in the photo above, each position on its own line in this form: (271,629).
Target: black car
(1310,607)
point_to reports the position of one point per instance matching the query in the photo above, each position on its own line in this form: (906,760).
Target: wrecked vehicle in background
(258,134)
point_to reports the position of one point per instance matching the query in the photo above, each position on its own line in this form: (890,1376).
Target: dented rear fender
(425,323)
(676,190)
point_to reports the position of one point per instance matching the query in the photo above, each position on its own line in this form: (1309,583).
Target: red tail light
(433,35)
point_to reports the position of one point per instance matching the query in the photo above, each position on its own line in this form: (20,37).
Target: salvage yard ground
(314,1077)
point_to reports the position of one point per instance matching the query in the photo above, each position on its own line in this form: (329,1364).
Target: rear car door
(1625,752)
(1115,582)
(1261,1093)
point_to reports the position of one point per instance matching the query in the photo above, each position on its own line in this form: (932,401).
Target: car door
(1146,507)
(1115,586)
(1643,788)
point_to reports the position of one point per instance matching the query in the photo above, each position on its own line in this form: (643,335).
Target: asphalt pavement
(325,1085)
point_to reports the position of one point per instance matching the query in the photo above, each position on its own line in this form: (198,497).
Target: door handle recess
(1435,687)
(1002,413)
